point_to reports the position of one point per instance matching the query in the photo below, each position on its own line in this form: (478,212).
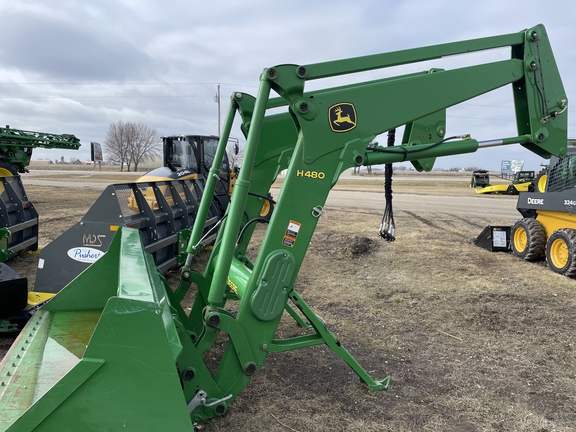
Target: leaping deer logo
(342,117)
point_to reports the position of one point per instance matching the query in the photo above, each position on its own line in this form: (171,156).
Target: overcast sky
(77,66)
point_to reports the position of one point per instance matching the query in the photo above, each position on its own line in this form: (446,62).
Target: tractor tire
(528,240)
(7,170)
(267,208)
(560,252)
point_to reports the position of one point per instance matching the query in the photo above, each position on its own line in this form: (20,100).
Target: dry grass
(473,340)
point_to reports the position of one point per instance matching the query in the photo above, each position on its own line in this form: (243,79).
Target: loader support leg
(335,345)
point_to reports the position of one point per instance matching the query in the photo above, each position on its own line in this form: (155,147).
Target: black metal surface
(494,239)
(530,202)
(13,291)
(159,210)
(562,176)
(18,214)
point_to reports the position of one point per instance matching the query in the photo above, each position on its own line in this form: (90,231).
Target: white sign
(516,165)
(85,254)
(499,238)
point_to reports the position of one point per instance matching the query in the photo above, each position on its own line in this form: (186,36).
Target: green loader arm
(321,134)
(328,131)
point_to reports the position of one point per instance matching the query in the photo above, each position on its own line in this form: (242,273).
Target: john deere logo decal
(342,117)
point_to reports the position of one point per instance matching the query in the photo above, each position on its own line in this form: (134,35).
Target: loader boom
(322,133)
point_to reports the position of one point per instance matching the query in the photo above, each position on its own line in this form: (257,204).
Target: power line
(103,97)
(126,83)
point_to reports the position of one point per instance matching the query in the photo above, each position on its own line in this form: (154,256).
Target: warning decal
(291,234)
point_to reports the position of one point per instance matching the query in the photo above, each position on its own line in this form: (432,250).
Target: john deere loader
(116,350)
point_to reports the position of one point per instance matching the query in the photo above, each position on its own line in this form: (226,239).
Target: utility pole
(217,100)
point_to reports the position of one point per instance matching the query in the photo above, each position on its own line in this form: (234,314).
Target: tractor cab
(523,177)
(480,178)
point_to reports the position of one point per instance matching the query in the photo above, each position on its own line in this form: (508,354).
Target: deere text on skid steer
(129,355)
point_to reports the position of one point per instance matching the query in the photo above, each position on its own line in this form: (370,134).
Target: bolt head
(188,374)
(214,320)
(250,369)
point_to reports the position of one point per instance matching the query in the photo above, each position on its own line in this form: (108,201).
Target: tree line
(129,143)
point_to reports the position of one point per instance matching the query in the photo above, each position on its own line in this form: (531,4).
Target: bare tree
(235,158)
(129,143)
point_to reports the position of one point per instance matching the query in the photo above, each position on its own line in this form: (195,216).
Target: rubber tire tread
(570,269)
(536,239)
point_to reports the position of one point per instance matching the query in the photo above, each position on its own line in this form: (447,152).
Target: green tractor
(480,178)
(18,217)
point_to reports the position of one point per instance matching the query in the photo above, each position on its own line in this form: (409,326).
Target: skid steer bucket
(98,352)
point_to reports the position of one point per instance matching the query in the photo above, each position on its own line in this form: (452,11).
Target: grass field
(472,340)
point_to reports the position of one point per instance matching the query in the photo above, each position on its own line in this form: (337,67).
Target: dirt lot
(472,340)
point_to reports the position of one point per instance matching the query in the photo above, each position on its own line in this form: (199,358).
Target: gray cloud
(63,50)
(76,67)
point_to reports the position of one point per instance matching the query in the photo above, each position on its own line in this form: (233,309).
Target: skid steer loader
(548,227)
(115,349)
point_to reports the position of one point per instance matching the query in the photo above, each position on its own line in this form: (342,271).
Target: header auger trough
(128,355)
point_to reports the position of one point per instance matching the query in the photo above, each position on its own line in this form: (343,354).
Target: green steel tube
(422,151)
(239,197)
(378,61)
(211,184)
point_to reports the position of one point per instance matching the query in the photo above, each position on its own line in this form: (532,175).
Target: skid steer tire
(560,252)
(528,240)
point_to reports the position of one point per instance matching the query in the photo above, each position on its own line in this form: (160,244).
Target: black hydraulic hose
(267,198)
(387,227)
(245,227)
